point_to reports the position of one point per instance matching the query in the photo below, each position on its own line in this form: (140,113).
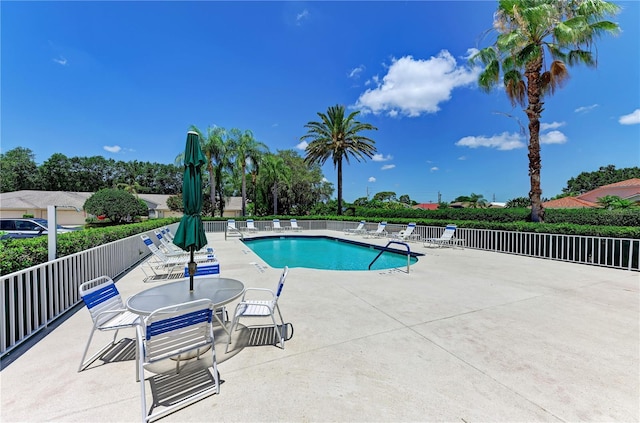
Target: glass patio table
(219,290)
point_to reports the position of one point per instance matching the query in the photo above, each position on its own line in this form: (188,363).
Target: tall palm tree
(529,31)
(246,150)
(337,136)
(214,148)
(274,170)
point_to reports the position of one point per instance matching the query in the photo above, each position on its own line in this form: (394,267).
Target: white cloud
(61,61)
(381,158)
(112,148)
(553,137)
(412,87)
(355,73)
(504,141)
(632,118)
(462,158)
(302,16)
(434,169)
(387,167)
(325,180)
(371,179)
(302,145)
(552,125)
(585,109)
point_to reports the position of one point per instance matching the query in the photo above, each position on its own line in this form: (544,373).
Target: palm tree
(528,32)
(274,170)
(246,150)
(337,137)
(214,148)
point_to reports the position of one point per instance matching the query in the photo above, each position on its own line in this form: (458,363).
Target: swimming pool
(322,252)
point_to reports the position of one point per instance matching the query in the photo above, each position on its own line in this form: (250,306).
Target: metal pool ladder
(386,249)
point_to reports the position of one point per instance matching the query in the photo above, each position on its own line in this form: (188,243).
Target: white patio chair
(251,227)
(359,230)
(380,231)
(261,309)
(446,239)
(172,249)
(276,226)
(108,313)
(294,226)
(173,333)
(166,232)
(406,234)
(163,266)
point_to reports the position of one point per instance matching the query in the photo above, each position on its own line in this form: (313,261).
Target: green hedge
(598,217)
(18,254)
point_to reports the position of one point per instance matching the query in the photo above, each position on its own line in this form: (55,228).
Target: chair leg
(84,363)
(236,318)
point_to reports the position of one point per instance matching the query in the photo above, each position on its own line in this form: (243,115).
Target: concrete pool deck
(467,336)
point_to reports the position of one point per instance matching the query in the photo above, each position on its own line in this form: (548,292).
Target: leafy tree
(274,171)
(175,203)
(54,173)
(588,181)
(612,202)
(361,202)
(338,137)
(405,199)
(306,186)
(528,31)
(116,204)
(517,203)
(385,196)
(245,150)
(18,170)
(473,201)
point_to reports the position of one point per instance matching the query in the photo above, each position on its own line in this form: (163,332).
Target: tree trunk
(340,187)
(244,190)
(274,190)
(534,111)
(212,189)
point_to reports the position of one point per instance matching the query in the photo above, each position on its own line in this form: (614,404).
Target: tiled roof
(568,203)
(426,206)
(624,189)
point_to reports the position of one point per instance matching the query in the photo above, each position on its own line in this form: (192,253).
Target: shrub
(117,205)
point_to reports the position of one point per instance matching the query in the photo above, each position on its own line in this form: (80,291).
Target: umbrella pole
(192,270)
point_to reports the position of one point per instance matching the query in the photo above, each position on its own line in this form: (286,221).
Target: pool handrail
(387,249)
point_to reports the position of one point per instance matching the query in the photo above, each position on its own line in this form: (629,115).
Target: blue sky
(125,80)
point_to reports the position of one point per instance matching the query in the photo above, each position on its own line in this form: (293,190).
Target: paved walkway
(467,336)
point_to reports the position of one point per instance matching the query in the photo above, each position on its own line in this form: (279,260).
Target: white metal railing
(32,298)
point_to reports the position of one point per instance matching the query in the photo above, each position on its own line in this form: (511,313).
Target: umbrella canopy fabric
(190,235)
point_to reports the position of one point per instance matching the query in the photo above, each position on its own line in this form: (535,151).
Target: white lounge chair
(167,334)
(276,226)
(406,234)
(380,231)
(163,266)
(359,230)
(262,308)
(251,227)
(446,239)
(294,226)
(108,313)
(232,229)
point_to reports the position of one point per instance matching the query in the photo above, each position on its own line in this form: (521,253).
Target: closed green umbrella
(190,235)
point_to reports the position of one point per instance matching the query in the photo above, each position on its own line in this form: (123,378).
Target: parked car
(27,227)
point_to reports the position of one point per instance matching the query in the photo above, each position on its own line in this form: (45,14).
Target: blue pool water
(323,253)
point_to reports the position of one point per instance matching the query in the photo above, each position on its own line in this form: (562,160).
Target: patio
(468,335)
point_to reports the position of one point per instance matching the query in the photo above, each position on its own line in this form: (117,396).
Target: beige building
(69,205)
